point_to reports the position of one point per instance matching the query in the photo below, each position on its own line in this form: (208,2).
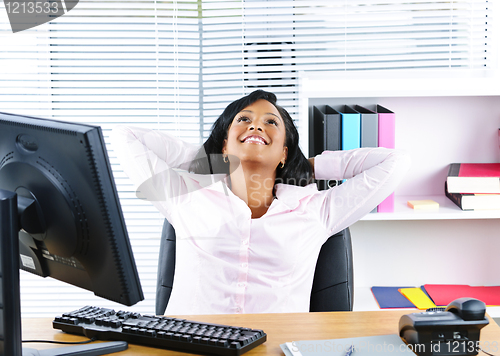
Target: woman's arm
(371,174)
(149,158)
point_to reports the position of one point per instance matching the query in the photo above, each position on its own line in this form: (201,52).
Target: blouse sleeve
(371,174)
(154,161)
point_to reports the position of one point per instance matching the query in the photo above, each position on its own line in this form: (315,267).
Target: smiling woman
(260,147)
(249,224)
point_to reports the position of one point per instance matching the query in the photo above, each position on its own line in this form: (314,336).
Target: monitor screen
(71,224)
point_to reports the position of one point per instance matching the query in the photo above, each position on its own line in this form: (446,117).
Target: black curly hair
(297,169)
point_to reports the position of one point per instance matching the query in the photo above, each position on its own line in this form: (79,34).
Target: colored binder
(351,128)
(369,130)
(369,127)
(386,127)
(387,139)
(315,127)
(332,129)
(316,132)
(327,130)
(326,136)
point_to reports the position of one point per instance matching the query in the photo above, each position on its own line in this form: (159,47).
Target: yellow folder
(418,298)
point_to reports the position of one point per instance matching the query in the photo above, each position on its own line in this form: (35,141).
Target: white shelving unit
(439,120)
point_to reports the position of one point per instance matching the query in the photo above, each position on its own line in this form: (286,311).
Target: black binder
(326,135)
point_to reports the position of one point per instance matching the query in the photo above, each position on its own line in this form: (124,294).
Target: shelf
(441,118)
(447,211)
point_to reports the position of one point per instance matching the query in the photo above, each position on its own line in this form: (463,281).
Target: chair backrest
(332,288)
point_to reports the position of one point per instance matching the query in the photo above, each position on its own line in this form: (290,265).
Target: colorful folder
(390,297)
(418,297)
(443,294)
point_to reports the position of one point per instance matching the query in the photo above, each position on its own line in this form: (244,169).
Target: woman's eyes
(268,121)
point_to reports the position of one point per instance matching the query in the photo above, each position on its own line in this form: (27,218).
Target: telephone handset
(451,331)
(467,308)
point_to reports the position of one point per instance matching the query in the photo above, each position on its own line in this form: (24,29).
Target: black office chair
(332,288)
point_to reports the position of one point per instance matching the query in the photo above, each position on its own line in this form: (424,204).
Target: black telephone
(451,331)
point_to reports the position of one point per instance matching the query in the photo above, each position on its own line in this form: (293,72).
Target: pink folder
(443,294)
(386,138)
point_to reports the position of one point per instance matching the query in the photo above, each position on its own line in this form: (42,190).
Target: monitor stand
(10,305)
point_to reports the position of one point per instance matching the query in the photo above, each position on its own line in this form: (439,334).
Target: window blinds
(175,65)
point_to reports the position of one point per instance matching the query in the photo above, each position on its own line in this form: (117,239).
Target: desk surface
(280,328)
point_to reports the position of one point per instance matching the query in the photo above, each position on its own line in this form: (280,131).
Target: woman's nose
(256,127)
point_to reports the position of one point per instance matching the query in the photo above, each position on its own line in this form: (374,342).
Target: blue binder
(351,128)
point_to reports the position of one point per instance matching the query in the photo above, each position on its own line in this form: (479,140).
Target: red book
(474,178)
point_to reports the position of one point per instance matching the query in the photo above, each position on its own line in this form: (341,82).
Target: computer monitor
(66,221)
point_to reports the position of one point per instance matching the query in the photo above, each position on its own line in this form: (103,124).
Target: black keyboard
(162,332)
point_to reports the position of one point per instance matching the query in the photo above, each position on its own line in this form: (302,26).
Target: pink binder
(386,138)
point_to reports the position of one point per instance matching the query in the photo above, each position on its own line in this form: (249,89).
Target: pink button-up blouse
(227,262)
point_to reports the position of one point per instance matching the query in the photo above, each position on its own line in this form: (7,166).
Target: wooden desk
(280,328)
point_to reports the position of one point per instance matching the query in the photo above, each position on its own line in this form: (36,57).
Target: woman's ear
(285,153)
(224,144)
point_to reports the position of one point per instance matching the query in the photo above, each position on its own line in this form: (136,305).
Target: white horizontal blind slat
(174,66)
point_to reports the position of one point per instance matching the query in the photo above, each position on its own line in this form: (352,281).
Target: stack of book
(474,186)
(347,127)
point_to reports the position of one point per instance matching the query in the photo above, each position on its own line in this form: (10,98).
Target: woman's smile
(256,139)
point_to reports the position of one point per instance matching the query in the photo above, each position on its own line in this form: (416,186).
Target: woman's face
(257,135)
